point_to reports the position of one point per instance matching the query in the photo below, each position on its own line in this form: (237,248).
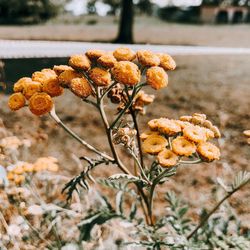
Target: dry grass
(147,30)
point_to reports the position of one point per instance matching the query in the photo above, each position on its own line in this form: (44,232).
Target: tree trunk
(125,34)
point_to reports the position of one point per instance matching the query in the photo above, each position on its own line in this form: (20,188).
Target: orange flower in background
(100,76)
(81,87)
(16,101)
(40,103)
(157,78)
(126,73)
(148,58)
(124,54)
(80,62)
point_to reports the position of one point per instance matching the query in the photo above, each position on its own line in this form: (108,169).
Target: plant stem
(109,134)
(205,219)
(75,136)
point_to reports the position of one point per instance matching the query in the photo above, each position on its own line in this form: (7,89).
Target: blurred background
(215,82)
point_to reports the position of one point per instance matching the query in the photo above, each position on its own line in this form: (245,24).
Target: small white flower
(35,210)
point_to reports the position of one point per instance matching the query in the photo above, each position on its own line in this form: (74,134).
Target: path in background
(40,49)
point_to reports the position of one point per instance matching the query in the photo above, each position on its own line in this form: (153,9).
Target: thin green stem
(107,90)
(75,136)
(205,219)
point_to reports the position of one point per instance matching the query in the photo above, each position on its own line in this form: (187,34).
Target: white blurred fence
(10,49)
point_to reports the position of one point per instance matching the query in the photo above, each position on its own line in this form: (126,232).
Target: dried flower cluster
(172,139)
(86,72)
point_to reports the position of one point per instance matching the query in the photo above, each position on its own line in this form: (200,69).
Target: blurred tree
(28,11)
(114,4)
(145,6)
(125,34)
(91,7)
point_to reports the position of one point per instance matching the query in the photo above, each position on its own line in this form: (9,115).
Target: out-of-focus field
(215,85)
(146,30)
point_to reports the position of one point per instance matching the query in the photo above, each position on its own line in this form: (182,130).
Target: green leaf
(182,211)
(118,202)
(127,177)
(133,211)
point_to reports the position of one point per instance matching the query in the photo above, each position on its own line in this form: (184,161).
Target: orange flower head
(16,101)
(80,62)
(126,73)
(81,87)
(208,151)
(167,62)
(183,147)
(154,144)
(52,87)
(157,78)
(60,68)
(100,76)
(107,60)
(124,54)
(94,54)
(66,77)
(195,134)
(40,103)
(167,158)
(169,127)
(148,58)
(19,85)
(30,88)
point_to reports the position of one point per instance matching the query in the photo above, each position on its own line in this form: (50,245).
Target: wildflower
(10,142)
(208,151)
(167,62)
(126,73)
(141,100)
(40,103)
(124,54)
(30,88)
(207,124)
(66,76)
(80,62)
(153,124)
(198,119)
(46,163)
(94,54)
(100,76)
(154,144)
(107,60)
(61,68)
(168,127)
(49,72)
(18,170)
(194,133)
(148,58)
(146,134)
(42,77)
(27,167)
(186,118)
(216,131)
(81,87)
(19,85)
(157,78)
(52,87)
(16,101)
(183,147)
(167,158)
